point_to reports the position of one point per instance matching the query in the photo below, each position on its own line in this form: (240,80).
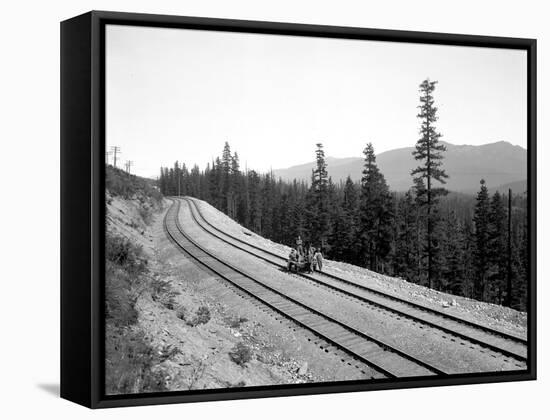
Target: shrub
(124,253)
(202,316)
(162,292)
(146,213)
(120,297)
(167,352)
(181,313)
(240,354)
(130,363)
(239,384)
(123,184)
(237,321)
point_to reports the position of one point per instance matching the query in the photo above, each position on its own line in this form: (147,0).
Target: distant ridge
(517,187)
(498,163)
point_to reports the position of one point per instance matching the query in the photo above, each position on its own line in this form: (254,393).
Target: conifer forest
(472,245)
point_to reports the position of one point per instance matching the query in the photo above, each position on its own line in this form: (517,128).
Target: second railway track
(496,341)
(382,358)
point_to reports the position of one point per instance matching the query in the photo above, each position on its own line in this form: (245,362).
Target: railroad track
(451,327)
(385,360)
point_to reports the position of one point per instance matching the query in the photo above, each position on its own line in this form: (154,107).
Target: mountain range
(499,164)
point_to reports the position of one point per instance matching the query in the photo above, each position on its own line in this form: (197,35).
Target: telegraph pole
(509,276)
(107,154)
(129,164)
(115,150)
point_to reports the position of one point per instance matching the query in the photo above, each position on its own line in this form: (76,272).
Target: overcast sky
(175,94)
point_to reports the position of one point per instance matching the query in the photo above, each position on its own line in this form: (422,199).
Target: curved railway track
(380,357)
(504,344)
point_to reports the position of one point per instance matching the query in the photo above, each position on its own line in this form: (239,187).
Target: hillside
(132,205)
(498,163)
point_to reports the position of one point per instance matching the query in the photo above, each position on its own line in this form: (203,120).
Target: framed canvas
(256,209)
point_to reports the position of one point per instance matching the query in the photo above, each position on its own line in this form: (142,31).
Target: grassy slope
(131,360)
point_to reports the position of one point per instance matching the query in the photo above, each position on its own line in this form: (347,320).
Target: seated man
(292,260)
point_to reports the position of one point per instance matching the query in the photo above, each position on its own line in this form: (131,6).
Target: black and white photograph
(290,210)
(271,210)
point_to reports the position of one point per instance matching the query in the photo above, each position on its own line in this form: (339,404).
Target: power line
(115,150)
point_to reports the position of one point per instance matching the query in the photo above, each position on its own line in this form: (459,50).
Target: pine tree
(163,182)
(520,254)
(232,188)
(452,267)
(298,211)
(497,250)
(267,203)
(482,215)
(317,204)
(194,181)
(428,150)
(225,172)
(376,215)
(205,184)
(218,185)
(468,247)
(255,201)
(350,222)
(285,232)
(406,243)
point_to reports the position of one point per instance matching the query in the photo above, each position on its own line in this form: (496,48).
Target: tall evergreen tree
(317,205)
(482,216)
(255,201)
(350,208)
(376,213)
(520,261)
(225,172)
(428,151)
(406,242)
(467,248)
(452,261)
(267,203)
(497,250)
(194,182)
(233,186)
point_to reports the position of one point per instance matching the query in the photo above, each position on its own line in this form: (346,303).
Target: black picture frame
(83,204)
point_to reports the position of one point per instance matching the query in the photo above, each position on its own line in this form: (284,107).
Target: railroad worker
(310,259)
(319,259)
(299,245)
(292,259)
